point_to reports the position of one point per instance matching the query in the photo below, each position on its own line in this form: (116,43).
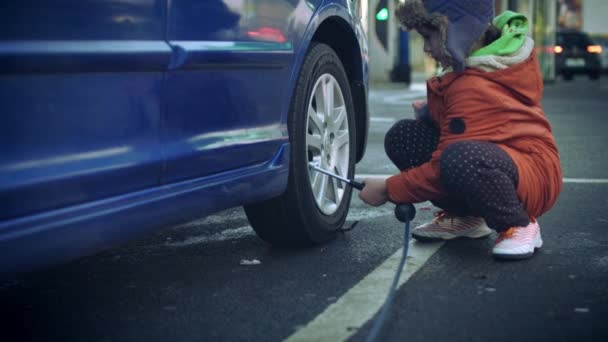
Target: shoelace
(442,215)
(507,234)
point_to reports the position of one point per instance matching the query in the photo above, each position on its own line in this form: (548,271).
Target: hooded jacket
(495,99)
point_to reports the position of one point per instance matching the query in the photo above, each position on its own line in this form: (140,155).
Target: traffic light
(381,23)
(382,15)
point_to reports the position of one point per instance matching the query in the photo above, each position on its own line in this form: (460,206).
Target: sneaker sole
(513,256)
(471,235)
(519,256)
(422,238)
(427,239)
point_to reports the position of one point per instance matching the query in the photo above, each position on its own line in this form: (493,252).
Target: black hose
(379,323)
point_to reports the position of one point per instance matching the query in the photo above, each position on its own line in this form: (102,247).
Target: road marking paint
(402,98)
(398,96)
(421,86)
(586,180)
(565,180)
(341,320)
(371,175)
(359,214)
(414,87)
(379,119)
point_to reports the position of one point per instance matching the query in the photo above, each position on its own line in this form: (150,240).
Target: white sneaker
(518,242)
(447,227)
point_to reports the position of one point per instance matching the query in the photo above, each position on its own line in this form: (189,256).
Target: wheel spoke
(320,100)
(338,117)
(339,172)
(322,189)
(328,92)
(313,117)
(316,183)
(314,141)
(336,189)
(341,140)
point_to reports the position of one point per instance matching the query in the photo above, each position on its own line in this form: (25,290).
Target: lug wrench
(354,184)
(404,213)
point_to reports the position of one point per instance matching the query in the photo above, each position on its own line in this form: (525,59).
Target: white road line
(402,98)
(566,180)
(358,214)
(421,86)
(379,119)
(586,180)
(372,175)
(357,306)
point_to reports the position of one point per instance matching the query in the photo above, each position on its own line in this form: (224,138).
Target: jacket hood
(514,30)
(518,72)
(521,77)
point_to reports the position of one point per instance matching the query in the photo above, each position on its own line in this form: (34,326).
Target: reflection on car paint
(121,116)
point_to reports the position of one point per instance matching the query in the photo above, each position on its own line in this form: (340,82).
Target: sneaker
(518,242)
(448,227)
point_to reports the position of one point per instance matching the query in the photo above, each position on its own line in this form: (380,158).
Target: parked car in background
(576,53)
(603,42)
(119,117)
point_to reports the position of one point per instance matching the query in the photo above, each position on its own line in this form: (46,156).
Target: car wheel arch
(332,32)
(325,23)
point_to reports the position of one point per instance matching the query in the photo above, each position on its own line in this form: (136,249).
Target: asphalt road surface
(214,280)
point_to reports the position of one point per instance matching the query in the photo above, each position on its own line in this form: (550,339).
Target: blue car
(123,116)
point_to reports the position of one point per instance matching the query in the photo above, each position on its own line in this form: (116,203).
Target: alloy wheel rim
(327,142)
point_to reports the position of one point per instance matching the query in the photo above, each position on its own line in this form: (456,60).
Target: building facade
(384,38)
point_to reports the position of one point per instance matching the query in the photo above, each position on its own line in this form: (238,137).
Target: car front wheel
(322,132)
(594,75)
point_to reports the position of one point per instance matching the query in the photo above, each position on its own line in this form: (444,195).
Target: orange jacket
(502,107)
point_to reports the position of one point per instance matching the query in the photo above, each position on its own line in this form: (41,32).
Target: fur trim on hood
(412,15)
(459,24)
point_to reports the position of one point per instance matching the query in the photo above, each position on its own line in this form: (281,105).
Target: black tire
(294,219)
(594,76)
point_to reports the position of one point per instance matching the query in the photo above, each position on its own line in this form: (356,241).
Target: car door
(80,100)
(227,87)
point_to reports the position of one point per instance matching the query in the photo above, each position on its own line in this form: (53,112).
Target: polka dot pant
(481,178)
(410,143)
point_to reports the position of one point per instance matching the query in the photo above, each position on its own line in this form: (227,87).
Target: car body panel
(54,20)
(80,90)
(229,56)
(145,125)
(50,237)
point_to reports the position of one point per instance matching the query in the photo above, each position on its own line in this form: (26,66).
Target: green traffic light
(382,15)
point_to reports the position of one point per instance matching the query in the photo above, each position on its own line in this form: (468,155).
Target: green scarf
(514,28)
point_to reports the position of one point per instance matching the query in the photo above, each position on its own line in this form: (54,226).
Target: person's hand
(417,105)
(374,193)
